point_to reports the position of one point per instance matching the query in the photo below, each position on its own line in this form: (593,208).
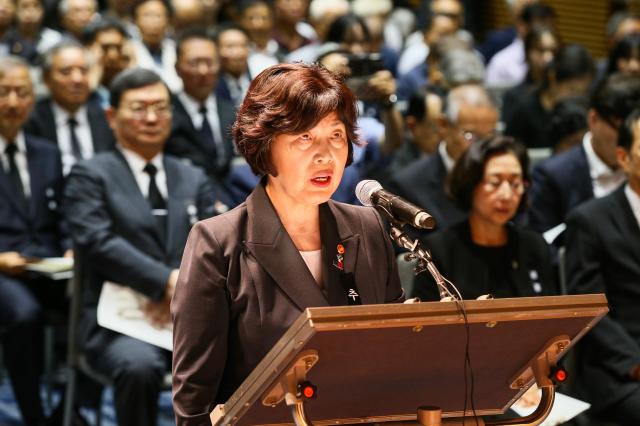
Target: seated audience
(202,120)
(233,49)
(130,211)
(589,169)
(7,13)
(540,46)
(568,123)
(569,74)
(470,115)
(28,38)
(154,49)
(75,15)
(256,18)
(108,41)
(30,227)
(508,67)
(290,30)
(486,253)
(70,117)
(441,18)
(625,56)
(603,243)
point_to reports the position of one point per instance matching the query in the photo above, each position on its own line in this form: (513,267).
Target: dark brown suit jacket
(243,283)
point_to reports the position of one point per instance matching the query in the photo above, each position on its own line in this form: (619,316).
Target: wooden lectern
(380,363)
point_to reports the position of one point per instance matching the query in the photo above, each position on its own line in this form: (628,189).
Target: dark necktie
(75,143)
(14,176)
(156,201)
(205,130)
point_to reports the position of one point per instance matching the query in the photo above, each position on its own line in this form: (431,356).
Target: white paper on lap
(120,309)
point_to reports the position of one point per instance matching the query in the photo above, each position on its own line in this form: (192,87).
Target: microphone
(371,193)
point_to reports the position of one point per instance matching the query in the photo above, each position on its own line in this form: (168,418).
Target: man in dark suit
(603,256)
(130,211)
(589,169)
(201,120)
(470,115)
(70,116)
(233,46)
(30,227)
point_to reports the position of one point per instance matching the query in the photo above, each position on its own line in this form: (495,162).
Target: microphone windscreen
(365,189)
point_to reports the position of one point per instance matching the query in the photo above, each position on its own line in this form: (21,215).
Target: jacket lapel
(139,203)
(355,274)
(274,250)
(625,220)
(6,187)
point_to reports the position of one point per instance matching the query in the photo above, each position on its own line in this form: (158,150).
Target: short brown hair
(290,99)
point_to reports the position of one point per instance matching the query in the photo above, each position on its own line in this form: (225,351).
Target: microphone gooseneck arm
(425,262)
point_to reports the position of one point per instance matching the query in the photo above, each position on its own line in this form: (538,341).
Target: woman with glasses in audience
(487,253)
(247,275)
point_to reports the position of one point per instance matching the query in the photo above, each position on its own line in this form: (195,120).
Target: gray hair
(616,19)
(66,43)
(9,62)
(461,66)
(466,94)
(63,6)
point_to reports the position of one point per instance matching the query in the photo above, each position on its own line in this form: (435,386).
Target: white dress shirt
(167,68)
(604,179)
(237,86)
(137,165)
(446,158)
(63,134)
(634,201)
(193,109)
(21,161)
(508,67)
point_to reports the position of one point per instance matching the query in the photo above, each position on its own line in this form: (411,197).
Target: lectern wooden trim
(379,363)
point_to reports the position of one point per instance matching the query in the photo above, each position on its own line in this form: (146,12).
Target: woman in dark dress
(487,253)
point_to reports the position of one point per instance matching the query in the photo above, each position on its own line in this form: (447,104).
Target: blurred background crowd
(514,123)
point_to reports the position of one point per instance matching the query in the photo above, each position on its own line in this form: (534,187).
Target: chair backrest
(75,307)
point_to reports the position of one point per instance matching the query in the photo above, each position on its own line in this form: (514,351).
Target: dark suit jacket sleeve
(545,211)
(93,232)
(206,197)
(200,310)
(618,350)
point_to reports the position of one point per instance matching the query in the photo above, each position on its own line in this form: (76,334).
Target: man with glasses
(470,115)
(589,169)
(129,213)
(201,120)
(30,227)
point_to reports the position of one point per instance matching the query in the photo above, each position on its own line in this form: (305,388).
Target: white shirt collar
(137,162)
(193,106)
(61,115)
(634,201)
(597,167)
(446,158)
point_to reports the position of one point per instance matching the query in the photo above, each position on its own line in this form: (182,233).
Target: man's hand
(381,86)
(158,313)
(12,263)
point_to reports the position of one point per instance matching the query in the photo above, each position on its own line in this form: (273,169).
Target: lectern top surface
(380,362)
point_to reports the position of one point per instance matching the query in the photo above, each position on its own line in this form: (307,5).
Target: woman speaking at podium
(248,274)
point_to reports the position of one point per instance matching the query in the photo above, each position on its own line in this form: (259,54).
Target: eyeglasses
(21,92)
(471,136)
(196,63)
(140,111)
(493,184)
